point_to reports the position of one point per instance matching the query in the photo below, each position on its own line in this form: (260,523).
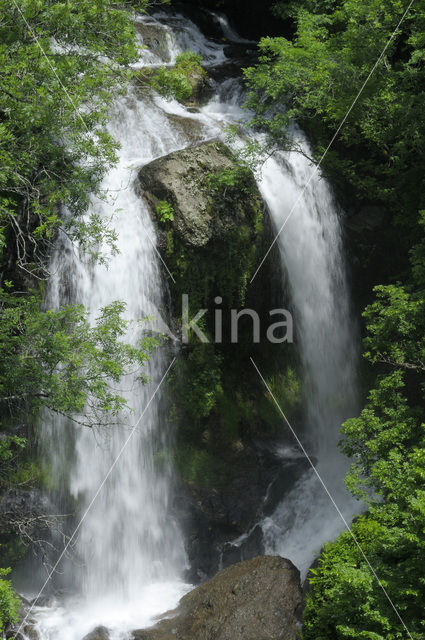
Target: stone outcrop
(214,233)
(259,599)
(213,517)
(211,241)
(154,38)
(181,178)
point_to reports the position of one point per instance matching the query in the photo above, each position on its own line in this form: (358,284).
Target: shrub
(9,602)
(180,81)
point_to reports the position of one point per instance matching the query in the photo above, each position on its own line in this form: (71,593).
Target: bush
(180,81)
(9,602)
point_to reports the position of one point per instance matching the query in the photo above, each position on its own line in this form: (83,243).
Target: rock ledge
(259,599)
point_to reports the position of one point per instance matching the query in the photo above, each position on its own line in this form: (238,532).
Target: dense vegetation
(377,158)
(62,64)
(182,80)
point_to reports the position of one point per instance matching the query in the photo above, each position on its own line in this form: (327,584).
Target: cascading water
(129,553)
(310,246)
(311,250)
(127,563)
(128,540)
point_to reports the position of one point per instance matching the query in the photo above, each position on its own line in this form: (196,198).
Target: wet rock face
(100,633)
(258,599)
(248,547)
(214,518)
(154,38)
(181,179)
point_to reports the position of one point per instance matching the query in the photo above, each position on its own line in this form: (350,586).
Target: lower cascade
(128,562)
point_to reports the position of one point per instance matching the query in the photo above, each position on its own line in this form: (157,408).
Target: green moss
(31,473)
(12,549)
(200,466)
(182,80)
(224,266)
(218,400)
(286,388)
(231,183)
(196,384)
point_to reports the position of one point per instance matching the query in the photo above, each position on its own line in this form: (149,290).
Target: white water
(129,558)
(311,251)
(310,247)
(228,32)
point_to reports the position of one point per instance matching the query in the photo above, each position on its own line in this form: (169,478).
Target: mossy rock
(210,245)
(186,81)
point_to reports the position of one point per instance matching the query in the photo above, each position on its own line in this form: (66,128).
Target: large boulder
(211,240)
(212,237)
(182,179)
(259,599)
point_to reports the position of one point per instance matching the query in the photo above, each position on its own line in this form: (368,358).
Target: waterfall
(128,562)
(311,250)
(129,556)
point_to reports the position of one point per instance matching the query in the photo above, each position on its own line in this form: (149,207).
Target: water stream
(311,250)
(129,560)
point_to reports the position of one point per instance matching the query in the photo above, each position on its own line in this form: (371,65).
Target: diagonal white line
(334,137)
(159,255)
(93,500)
(311,463)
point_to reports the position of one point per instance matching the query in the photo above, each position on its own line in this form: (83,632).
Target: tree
(58,361)
(61,66)
(315,78)
(9,602)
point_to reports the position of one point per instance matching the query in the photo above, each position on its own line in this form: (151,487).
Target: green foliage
(58,361)
(387,444)
(30,473)
(164,212)
(10,447)
(196,383)
(230,182)
(286,388)
(347,601)
(237,180)
(9,602)
(200,466)
(181,80)
(315,79)
(54,150)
